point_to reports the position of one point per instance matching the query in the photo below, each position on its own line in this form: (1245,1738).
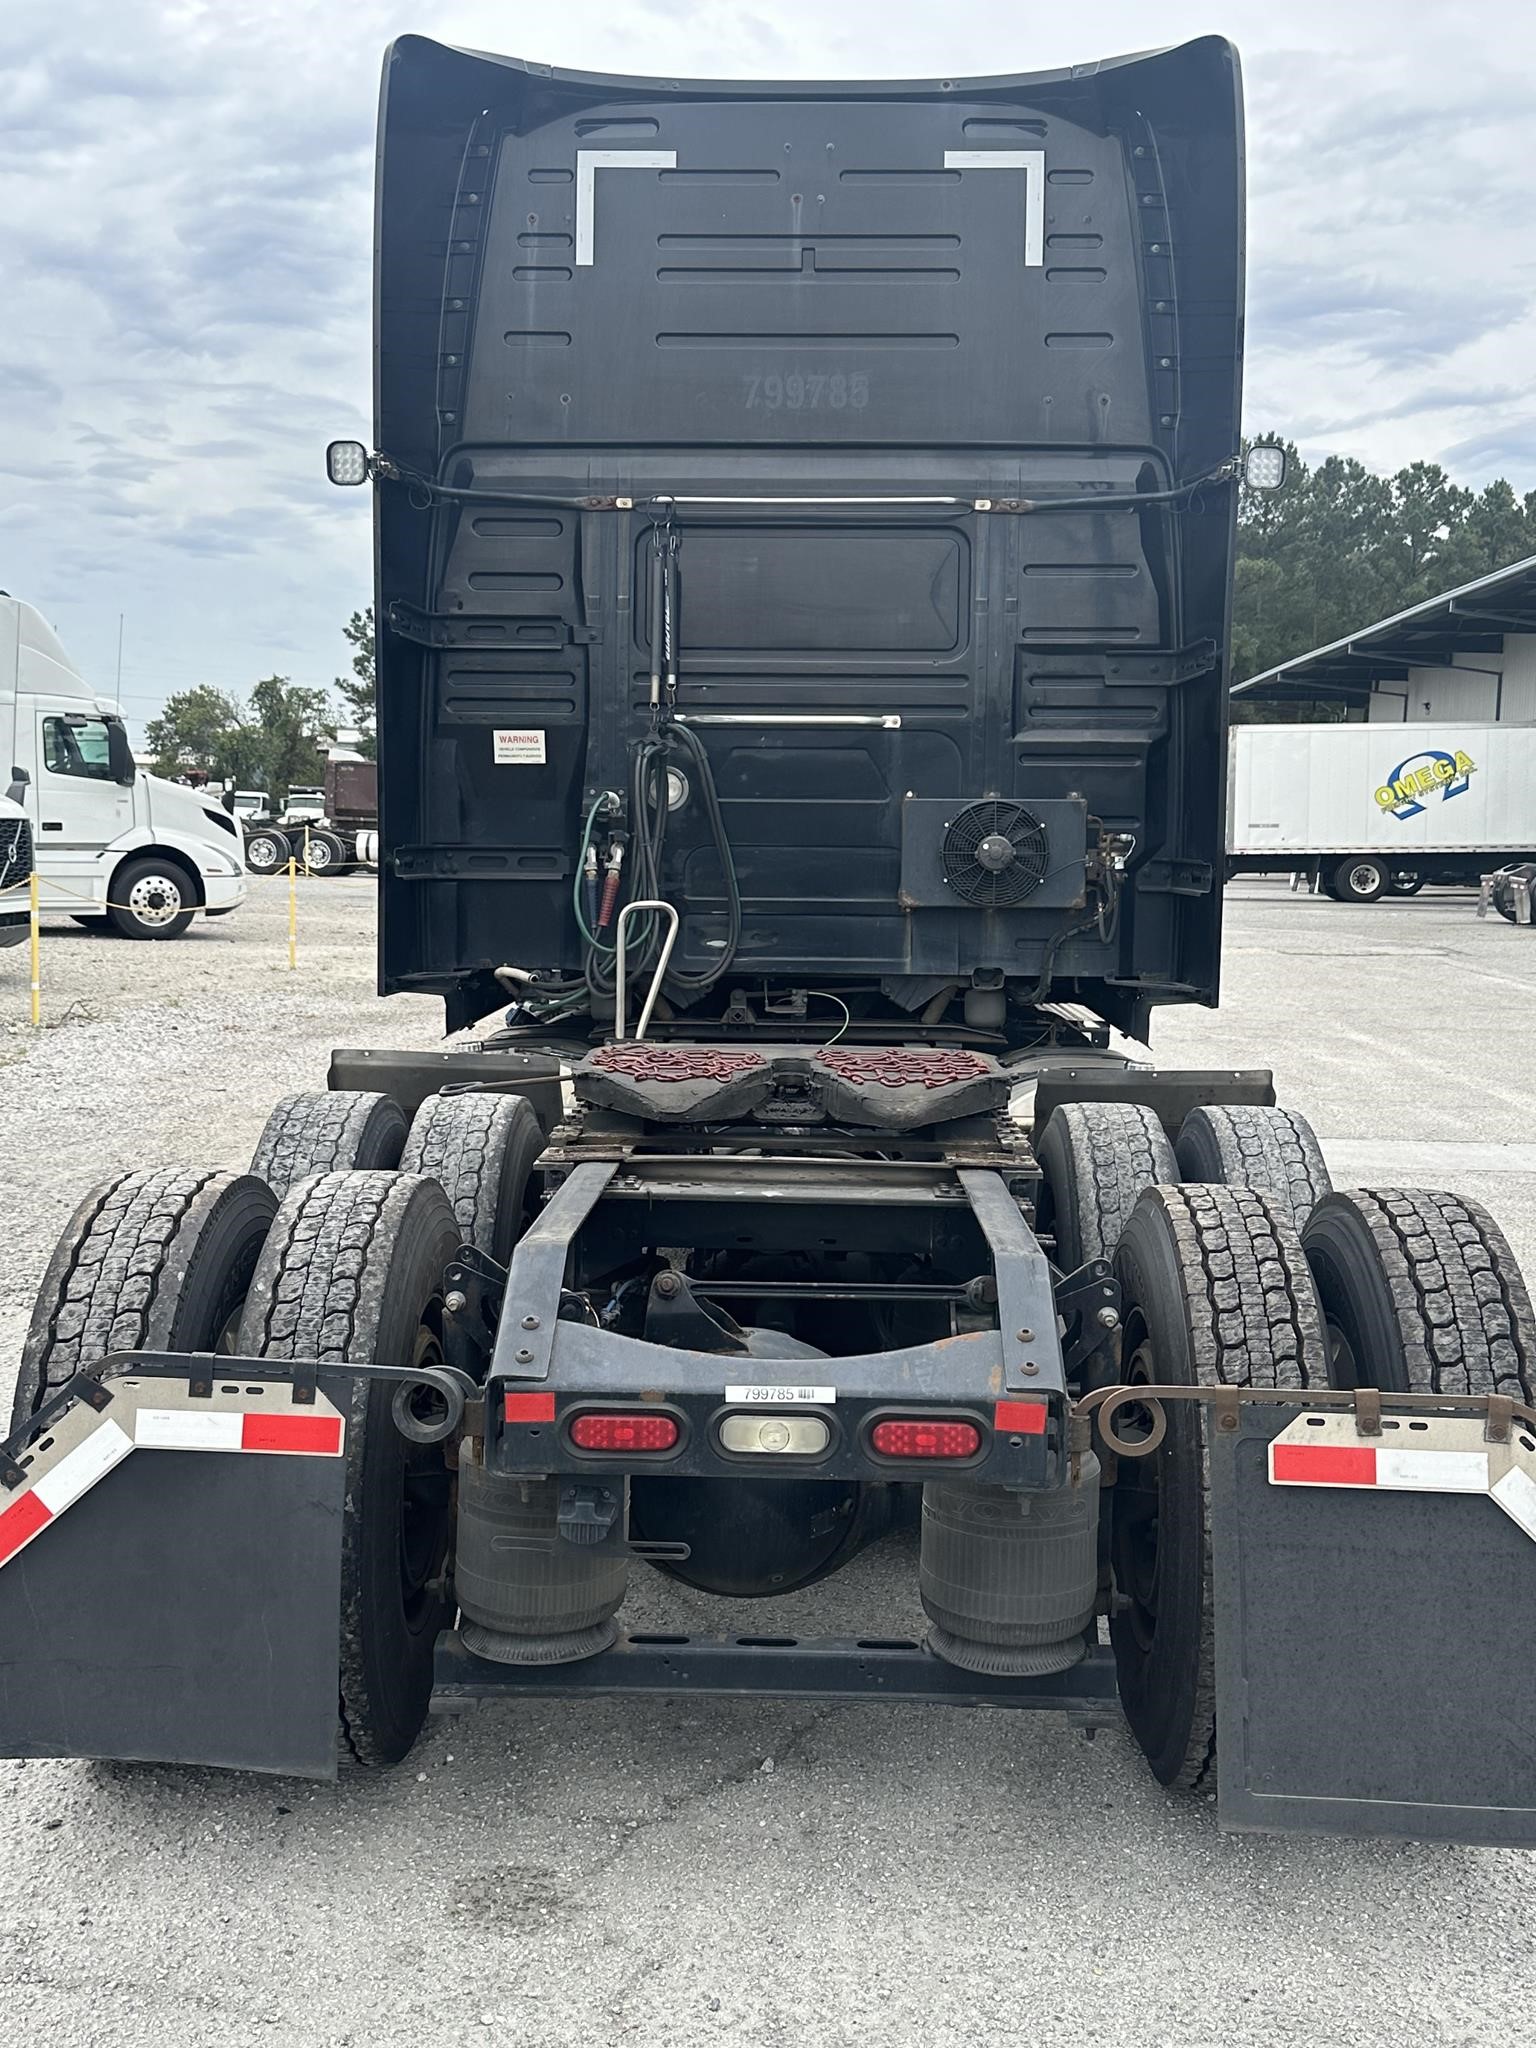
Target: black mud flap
(1374,1597)
(179,1604)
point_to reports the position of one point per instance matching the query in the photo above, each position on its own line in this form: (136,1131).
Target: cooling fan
(994,854)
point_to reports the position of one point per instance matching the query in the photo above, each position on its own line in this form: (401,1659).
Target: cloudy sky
(184,251)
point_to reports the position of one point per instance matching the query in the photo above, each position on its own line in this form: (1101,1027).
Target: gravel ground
(728,1871)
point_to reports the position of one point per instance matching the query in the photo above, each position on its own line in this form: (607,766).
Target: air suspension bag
(526,1594)
(1009,1579)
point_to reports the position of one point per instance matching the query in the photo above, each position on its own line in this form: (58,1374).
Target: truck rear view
(805,523)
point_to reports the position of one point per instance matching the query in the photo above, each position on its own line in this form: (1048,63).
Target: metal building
(1469,655)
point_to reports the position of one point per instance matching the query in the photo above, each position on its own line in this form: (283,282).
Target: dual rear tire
(1410,1291)
(346,1267)
(1254,1272)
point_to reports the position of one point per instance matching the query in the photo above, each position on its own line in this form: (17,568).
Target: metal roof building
(1469,654)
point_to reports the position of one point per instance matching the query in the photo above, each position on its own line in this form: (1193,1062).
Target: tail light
(916,1438)
(628,1431)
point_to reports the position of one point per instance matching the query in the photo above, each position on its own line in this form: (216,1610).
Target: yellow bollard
(293,914)
(37,971)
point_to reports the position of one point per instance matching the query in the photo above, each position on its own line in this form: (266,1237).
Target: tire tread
(100,1290)
(327,1133)
(1241,1263)
(1462,1307)
(1114,1151)
(1254,1146)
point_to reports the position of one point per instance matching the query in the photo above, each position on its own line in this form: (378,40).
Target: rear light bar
(625,1431)
(914,1438)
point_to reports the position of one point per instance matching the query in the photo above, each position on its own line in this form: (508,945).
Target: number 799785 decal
(811,392)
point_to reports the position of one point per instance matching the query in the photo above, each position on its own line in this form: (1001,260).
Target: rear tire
(151,899)
(324,853)
(1362,879)
(1215,1292)
(1420,1294)
(1097,1158)
(353,1270)
(157,1259)
(1247,1145)
(266,852)
(480,1149)
(337,1132)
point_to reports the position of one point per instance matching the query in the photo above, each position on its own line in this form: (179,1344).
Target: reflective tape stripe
(1433,1471)
(1321,1465)
(185,1429)
(78,1470)
(19,1523)
(312,1435)
(1387,1467)
(1516,1495)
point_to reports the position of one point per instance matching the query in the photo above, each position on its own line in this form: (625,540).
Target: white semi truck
(1367,811)
(115,848)
(15,872)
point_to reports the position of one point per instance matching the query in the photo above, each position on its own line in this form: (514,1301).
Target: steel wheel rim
(155,900)
(1362,880)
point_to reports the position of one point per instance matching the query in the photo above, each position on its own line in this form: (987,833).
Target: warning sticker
(519,744)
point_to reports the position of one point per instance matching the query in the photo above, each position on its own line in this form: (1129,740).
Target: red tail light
(915,1439)
(626,1432)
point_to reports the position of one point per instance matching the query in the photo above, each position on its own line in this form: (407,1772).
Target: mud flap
(179,1604)
(1373,1627)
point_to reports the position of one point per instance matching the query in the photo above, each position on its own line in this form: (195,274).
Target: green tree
(293,723)
(359,691)
(197,729)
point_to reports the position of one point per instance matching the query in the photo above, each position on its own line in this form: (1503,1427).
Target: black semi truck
(804,537)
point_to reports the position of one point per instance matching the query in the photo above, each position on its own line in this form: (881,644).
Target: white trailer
(1371,810)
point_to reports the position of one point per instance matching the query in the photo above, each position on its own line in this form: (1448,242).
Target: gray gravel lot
(756,1873)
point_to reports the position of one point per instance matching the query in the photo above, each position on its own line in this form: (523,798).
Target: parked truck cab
(114,846)
(15,872)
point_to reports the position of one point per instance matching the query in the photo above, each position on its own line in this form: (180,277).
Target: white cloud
(185,242)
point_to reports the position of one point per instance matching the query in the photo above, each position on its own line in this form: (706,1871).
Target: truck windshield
(77,746)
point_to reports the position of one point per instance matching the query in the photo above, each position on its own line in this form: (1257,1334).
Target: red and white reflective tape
(1443,1454)
(84,1446)
(306,1434)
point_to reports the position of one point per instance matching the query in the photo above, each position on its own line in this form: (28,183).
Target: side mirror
(1264,467)
(346,462)
(17,793)
(119,753)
